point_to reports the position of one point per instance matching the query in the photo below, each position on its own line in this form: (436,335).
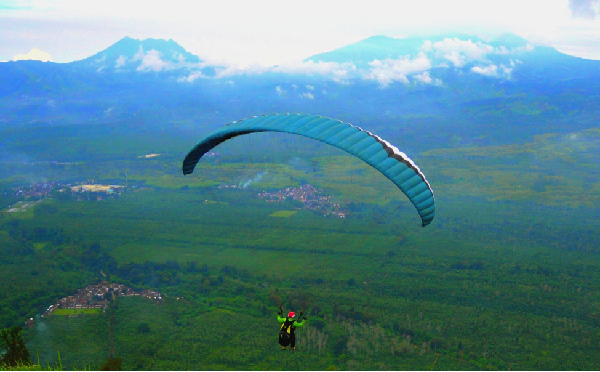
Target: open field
(67,312)
(22,209)
(284,214)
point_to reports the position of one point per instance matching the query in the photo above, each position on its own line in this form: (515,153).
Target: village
(37,191)
(98,296)
(309,196)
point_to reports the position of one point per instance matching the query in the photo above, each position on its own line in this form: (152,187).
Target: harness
(286,332)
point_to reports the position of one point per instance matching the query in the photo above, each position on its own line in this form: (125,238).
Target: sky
(267,33)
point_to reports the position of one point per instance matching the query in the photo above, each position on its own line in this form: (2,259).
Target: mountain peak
(148,55)
(509,41)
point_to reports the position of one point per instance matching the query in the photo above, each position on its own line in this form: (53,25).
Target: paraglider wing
(373,150)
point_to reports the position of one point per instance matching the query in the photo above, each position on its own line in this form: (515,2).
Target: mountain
(128,61)
(141,55)
(505,57)
(468,77)
(458,76)
(509,41)
(382,47)
(129,76)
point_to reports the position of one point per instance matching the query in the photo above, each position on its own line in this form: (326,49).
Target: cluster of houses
(98,296)
(310,197)
(36,190)
(40,190)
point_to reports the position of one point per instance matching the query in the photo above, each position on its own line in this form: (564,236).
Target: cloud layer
(464,56)
(155,61)
(458,52)
(390,70)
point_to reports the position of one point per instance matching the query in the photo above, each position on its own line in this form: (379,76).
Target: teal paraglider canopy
(368,147)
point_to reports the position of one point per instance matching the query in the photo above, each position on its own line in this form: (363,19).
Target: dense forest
(506,276)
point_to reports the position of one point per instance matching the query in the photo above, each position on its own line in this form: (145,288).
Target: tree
(143,328)
(16,351)
(437,343)
(112,364)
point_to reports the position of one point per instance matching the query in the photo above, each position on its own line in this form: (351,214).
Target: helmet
(291,314)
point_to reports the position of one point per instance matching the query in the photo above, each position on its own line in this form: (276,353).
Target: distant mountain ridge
(382,47)
(435,58)
(432,76)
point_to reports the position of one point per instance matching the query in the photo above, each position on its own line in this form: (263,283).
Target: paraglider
(370,148)
(287,331)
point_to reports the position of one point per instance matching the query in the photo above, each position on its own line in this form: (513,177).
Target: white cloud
(151,61)
(493,71)
(309,87)
(390,70)
(504,50)
(139,55)
(236,69)
(120,61)
(514,62)
(457,51)
(456,58)
(191,77)
(294,86)
(425,77)
(279,90)
(307,95)
(460,52)
(337,71)
(506,71)
(34,54)
(427,46)
(179,57)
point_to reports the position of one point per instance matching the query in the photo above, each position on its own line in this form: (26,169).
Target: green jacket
(296,323)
